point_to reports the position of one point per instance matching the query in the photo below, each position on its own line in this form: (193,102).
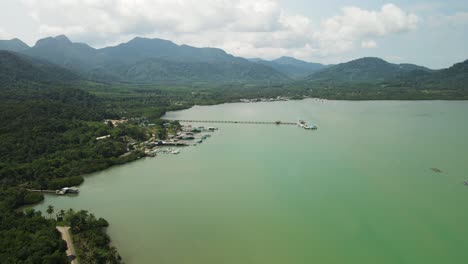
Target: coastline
(153,181)
(136,155)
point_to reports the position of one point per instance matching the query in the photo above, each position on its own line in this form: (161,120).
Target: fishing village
(176,137)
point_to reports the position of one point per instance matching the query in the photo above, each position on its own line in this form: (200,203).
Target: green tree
(50,210)
(61,215)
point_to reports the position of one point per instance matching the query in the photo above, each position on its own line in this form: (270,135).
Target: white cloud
(46,30)
(339,33)
(368,44)
(4,34)
(260,28)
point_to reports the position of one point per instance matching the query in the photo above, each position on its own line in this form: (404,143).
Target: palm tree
(61,215)
(50,210)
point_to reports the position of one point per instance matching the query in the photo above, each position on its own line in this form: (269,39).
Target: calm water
(358,190)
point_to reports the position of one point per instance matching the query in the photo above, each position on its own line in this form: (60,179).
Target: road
(64,230)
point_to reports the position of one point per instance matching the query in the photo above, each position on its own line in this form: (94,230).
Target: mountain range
(144,60)
(364,70)
(158,61)
(293,67)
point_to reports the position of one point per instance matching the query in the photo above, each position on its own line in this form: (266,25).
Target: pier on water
(235,122)
(41,191)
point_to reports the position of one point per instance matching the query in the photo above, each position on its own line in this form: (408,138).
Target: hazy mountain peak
(287,60)
(149,41)
(59,40)
(17,40)
(13,45)
(369,60)
(63,38)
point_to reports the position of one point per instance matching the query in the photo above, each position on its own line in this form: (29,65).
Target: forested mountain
(13,45)
(364,70)
(17,68)
(292,67)
(61,51)
(157,61)
(453,78)
(139,49)
(151,61)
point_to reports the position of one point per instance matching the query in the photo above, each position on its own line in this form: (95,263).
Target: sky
(424,32)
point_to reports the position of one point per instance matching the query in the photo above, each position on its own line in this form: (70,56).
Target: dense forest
(27,237)
(48,133)
(89,237)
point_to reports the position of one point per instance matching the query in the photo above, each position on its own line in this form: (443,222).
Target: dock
(41,191)
(62,191)
(235,122)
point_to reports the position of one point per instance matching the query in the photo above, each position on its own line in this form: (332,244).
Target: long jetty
(41,191)
(234,122)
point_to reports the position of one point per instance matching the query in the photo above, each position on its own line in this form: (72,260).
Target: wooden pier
(41,191)
(235,122)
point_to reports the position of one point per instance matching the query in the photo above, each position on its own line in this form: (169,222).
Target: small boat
(466,182)
(66,190)
(303,124)
(310,127)
(175,152)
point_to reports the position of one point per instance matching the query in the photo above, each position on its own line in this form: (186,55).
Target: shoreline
(136,156)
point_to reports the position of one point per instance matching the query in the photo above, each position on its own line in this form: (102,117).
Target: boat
(188,137)
(66,190)
(175,151)
(303,124)
(310,127)
(466,182)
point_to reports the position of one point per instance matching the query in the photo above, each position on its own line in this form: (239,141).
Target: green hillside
(16,68)
(292,67)
(364,70)
(152,61)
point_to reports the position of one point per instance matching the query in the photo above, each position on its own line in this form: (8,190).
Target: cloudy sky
(430,33)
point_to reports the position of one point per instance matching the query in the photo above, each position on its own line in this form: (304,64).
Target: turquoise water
(358,190)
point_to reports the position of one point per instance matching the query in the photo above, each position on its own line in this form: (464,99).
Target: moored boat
(66,190)
(305,125)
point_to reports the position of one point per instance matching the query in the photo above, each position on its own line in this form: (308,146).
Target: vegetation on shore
(89,237)
(27,237)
